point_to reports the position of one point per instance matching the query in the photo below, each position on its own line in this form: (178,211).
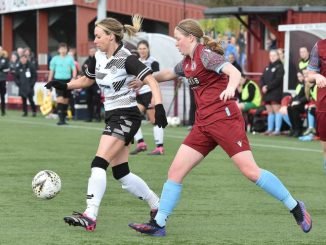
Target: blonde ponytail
(137,21)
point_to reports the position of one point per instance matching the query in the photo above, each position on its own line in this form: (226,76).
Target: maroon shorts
(228,132)
(321,125)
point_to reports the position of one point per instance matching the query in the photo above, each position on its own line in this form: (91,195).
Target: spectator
(4,69)
(249,94)
(93,94)
(272,89)
(311,95)
(25,78)
(297,107)
(20,51)
(242,42)
(13,62)
(231,48)
(304,58)
(285,102)
(280,52)
(272,42)
(31,57)
(234,62)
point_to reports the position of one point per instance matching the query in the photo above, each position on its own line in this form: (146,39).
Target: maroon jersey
(317,63)
(207,81)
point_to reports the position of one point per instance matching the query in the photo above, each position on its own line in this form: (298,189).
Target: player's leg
(131,182)
(190,153)
(185,159)
(272,185)
(139,138)
(321,132)
(108,148)
(157,132)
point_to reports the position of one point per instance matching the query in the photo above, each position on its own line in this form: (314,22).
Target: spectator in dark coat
(25,78)
(4,69)
(297,107)
(272,89)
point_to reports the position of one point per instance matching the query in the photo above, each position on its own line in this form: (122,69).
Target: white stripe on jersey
(113,80)
(145,89)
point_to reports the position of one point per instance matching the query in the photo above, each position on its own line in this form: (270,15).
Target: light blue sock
(272,185)
(278,122)
(270,122)
(287,120)
(311,120)
(169,198)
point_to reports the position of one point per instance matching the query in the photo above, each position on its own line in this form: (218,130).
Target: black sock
(297,213)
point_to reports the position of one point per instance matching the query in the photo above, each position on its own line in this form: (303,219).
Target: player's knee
(120,171)
(251,174)
(99,162)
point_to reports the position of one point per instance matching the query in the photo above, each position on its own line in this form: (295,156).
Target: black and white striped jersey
(154,65)
(113,76)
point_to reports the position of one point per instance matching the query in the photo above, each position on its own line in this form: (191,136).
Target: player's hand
(135,84)
(56,84)
(227,94)
(320,81)
(160,116)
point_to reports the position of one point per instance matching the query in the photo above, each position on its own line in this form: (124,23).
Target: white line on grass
(166,135)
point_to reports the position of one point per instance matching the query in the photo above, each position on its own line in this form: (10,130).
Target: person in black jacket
(272,89)
(93,94)
(297,107)
(4,68)
(25,78)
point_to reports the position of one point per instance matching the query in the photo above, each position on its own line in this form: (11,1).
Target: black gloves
(56,84)
(160,116)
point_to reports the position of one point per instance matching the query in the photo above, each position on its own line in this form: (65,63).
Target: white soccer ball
(46,184)
(175,121)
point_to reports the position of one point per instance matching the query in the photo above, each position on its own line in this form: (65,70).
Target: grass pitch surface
(218,205)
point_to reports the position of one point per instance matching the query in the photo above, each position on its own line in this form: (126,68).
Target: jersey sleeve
(88,68)
(137,68)
(314,64)
(178,69)
(212,61)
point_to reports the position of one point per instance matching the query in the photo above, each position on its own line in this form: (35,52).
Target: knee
(99,162)
(175,175)
(251,174)
(120,171)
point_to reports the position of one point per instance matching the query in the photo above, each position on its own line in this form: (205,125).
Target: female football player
(317,74)
(145,104)
(113,68)
(218,122)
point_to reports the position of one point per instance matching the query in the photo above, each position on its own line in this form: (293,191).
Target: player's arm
(314,68)
(143,73)
(234,80)
(165,75)
(83,82)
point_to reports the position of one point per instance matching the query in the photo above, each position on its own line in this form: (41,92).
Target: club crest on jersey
(113,69)
(239,143)
(193,65)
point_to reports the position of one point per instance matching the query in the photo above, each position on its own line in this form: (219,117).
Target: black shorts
(123,123)
(145,100)
(63,93)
